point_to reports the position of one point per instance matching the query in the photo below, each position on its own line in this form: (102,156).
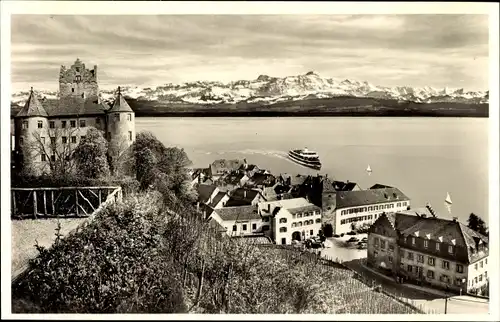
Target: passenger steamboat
(306,158)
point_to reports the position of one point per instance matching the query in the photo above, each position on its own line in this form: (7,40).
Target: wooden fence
(111,197)
(59,202)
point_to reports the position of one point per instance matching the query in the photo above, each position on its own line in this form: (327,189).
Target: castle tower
(121,123)
(78,81)
(31,121)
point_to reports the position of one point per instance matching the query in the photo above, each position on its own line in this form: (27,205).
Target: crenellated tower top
(78,80)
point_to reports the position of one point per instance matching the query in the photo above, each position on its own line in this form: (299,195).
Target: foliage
(477,224)
(90,155)
(162,168)
(118,263)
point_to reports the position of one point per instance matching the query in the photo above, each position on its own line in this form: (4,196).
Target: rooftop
(347,199)
(205,191)
(302,209)
(286,203)
(120,104)
(241,213)
(242,197)
(33,107)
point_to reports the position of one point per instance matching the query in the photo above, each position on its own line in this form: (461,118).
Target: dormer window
(413,240)
(426,243)
(437,246)
(450,249)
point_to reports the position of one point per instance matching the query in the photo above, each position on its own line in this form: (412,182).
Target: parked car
(365,239)
(336,236)
(342,235)
(352,240)
(351,233)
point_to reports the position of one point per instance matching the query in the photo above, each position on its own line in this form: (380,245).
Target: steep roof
(302,209)
(286,203)
(75,105)
(379,186)
(263,179)
(33,107)
(368,197)
(238,213)
(205,191)
(215,225)
(120,104)
(242,197)
(344,186)
(218,197)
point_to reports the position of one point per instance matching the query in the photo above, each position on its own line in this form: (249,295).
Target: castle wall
(78,80)
(121,128)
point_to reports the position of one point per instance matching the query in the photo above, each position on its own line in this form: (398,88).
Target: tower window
(130,135)
(44,157)
(72,90)
(83,95)
(73,123)
(77,69)
(21,141)
(117,116)
(78,78)
(53,157)
(64,140)
(73,139)
(40,124)
(52,124)
(52,140)
(25,124)
(82,123)
(63,124)
(129,117)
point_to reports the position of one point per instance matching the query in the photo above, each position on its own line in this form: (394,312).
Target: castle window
(117,116)
(73,139)
(40,124)
(73,123)
(130,135)
(283,230)
(129,117)
(52,124)
(446,265)
(78,78)
(25,125)
(44,157)
(64,140)
(426,243)
(53,157)
(282,220)
(52,140)
(63,124)
(83,95)
(72,90)
(21,141)
(77,69)
(460,268)
(318,220)
(82,123)
(437,245)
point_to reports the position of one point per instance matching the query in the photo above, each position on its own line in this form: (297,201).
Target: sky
(389,50)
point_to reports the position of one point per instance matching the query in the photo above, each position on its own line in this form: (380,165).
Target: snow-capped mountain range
(268,90)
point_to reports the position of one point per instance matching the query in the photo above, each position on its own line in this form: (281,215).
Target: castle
(45,131)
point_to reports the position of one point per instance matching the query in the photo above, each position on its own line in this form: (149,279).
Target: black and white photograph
(232,160)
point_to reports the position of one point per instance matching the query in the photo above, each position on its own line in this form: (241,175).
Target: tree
(477,224)
(161,167)
(120,156)
(57,145)
(90,155)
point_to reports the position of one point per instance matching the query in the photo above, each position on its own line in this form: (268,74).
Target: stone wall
(78,80)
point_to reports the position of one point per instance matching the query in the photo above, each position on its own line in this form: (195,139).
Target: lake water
(424,157)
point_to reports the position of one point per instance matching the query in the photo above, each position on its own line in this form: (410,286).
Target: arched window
(282,220)
(299,215)
(318,220)
(294,225)
(283,230)
(299,224)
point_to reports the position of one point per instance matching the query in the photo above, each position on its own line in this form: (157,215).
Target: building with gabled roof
(239,221)
(417,245)
(42,128)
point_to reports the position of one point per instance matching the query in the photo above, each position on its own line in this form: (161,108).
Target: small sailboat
(369,170)
(448,202)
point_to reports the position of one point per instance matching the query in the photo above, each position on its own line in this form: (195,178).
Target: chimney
(455,219)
